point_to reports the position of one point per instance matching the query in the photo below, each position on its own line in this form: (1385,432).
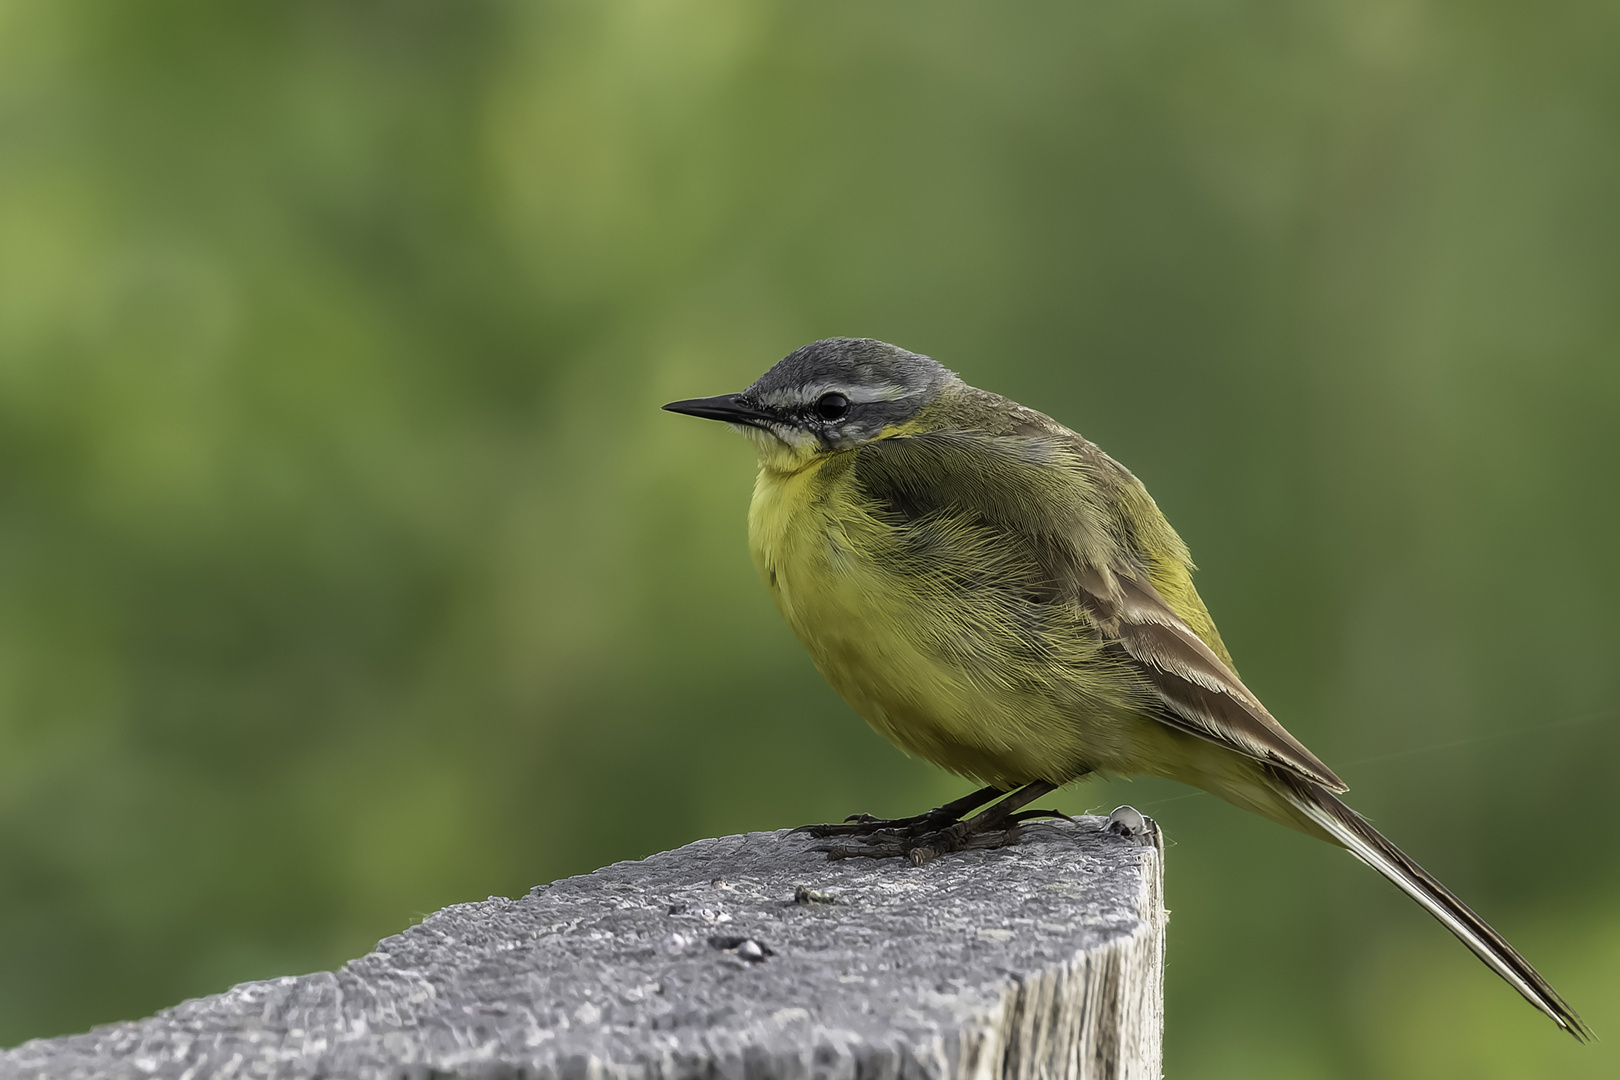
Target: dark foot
(928,836)
(933,821)
(926,847)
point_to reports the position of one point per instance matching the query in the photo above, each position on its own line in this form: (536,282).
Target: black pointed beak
(726,407)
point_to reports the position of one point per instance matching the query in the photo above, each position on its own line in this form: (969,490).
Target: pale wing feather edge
(1201,694)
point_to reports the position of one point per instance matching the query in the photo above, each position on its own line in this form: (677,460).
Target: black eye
(832,406)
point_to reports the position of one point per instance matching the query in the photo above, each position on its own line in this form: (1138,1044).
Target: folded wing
(1056,495)
(1201,694)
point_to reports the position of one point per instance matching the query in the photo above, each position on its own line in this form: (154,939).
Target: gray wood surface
(746,957)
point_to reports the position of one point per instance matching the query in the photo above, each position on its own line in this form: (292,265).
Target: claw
(1031,815)
(924,838)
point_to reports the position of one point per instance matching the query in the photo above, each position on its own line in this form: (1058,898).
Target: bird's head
(827,396)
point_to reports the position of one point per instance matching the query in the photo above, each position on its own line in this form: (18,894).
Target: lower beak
(726,407)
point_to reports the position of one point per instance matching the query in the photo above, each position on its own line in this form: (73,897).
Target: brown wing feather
(1048,492)
(1201,694)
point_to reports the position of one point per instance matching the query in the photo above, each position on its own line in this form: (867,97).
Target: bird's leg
(993,828)
(933,820)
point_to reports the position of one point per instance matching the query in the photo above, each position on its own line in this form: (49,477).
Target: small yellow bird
(995,594)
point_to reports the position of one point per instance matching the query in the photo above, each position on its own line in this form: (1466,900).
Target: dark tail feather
(1366,843)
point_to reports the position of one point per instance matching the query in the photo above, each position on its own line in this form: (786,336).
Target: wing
(1100,543)
(1201,694)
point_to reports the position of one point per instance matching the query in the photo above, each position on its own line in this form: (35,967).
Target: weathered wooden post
(746,958)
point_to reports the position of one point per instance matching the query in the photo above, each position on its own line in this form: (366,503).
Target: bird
(996,595)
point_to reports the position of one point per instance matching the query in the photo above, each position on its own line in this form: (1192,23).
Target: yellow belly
(925,670)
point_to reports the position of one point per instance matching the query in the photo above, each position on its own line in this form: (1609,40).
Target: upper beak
(726,407)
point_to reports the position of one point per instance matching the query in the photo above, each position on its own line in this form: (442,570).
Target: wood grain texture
(745,957)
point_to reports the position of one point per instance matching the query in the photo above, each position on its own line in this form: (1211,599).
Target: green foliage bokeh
(348,568)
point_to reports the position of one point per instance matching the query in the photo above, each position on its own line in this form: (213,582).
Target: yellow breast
(822,555)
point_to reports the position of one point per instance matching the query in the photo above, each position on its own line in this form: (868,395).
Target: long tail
(1366,843)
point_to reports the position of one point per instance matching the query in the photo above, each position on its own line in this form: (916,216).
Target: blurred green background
(349,569)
